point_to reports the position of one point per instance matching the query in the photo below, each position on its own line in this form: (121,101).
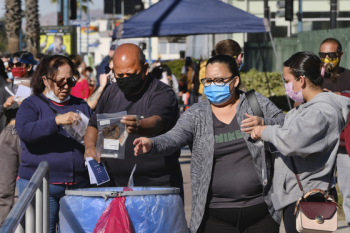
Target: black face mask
(132,84)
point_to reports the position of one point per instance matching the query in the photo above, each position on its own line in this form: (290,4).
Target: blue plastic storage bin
(151,209)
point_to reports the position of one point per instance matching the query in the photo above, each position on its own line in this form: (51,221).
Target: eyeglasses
(17,64)
(70,82)
(330,55)
(217,81)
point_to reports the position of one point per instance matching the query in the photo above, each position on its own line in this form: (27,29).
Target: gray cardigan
(195,128)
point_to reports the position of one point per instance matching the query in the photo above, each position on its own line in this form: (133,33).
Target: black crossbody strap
(47,102)
(254,104)
(298,179)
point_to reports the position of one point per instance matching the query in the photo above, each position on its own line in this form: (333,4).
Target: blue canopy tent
(192,17)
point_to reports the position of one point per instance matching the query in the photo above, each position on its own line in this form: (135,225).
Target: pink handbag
(315,217)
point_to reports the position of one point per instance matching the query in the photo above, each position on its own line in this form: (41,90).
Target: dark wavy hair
(230,62)
(48,67)
(310,65)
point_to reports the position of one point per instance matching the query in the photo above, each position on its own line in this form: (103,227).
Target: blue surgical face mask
(218,95)
(9,75)
(51,96)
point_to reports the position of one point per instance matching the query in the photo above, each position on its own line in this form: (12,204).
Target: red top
(345,135)
(81,89)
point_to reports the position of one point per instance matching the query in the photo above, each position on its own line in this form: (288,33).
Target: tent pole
(279,67)
(149,42)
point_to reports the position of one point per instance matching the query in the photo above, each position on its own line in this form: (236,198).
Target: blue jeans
(56,193)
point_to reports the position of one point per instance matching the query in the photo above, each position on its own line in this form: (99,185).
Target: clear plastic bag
(78,130)
(111,135)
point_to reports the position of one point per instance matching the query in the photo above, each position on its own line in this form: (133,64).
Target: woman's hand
(251,122)
(256,132)
(68,118)
(9,102)
(142,145)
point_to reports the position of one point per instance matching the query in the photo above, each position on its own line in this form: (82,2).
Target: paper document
(22,93)
(97,172)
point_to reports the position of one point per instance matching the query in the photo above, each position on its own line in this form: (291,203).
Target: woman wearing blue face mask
(41,133)
(21,64)
(228,194)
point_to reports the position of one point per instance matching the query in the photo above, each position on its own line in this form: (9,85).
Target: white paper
(105,122)
(22,93)
(125,136)
(111,144)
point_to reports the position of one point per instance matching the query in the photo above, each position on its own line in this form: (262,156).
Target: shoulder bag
(315,217)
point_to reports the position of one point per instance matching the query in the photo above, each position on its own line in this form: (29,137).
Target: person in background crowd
(172,80)
(42,135)
(91,80)
(331,53)
(182,85)
(3,74)
(105,80)
(231,48)
(310,135)
(159,74)
(196,83)
(104,63)
(10,151)
(81,89)
(190,72)
(228,193)
(139,93)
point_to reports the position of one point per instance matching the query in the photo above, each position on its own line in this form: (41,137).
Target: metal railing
(36,210)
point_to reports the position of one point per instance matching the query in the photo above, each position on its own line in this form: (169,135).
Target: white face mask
(51,95)
(111,77)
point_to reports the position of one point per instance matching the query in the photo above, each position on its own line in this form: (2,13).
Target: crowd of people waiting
(236,185)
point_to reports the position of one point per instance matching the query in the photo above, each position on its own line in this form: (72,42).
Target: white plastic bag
(111,135)
(78,130)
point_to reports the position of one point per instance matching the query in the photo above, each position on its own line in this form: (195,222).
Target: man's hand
(132,124)
(142,145)
(251,122)
(256,132)
(9,102)
(91,152)
(68,118)
(337,93)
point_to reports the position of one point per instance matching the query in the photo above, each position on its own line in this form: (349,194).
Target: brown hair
(48,67)
(228,47)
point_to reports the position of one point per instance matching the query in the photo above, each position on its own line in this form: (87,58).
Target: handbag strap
(47,102)
(298,179)
(254,104)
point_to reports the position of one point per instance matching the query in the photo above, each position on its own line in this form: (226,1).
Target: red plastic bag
(115,218)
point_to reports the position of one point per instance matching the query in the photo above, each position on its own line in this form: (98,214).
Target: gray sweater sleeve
(306,134)
(178,137)
(274,115)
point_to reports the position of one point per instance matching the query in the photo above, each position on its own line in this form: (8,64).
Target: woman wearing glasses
(228,194)
(21,64)
(41,133)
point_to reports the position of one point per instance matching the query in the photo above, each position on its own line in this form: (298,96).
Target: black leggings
(253,219)
(289,219)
